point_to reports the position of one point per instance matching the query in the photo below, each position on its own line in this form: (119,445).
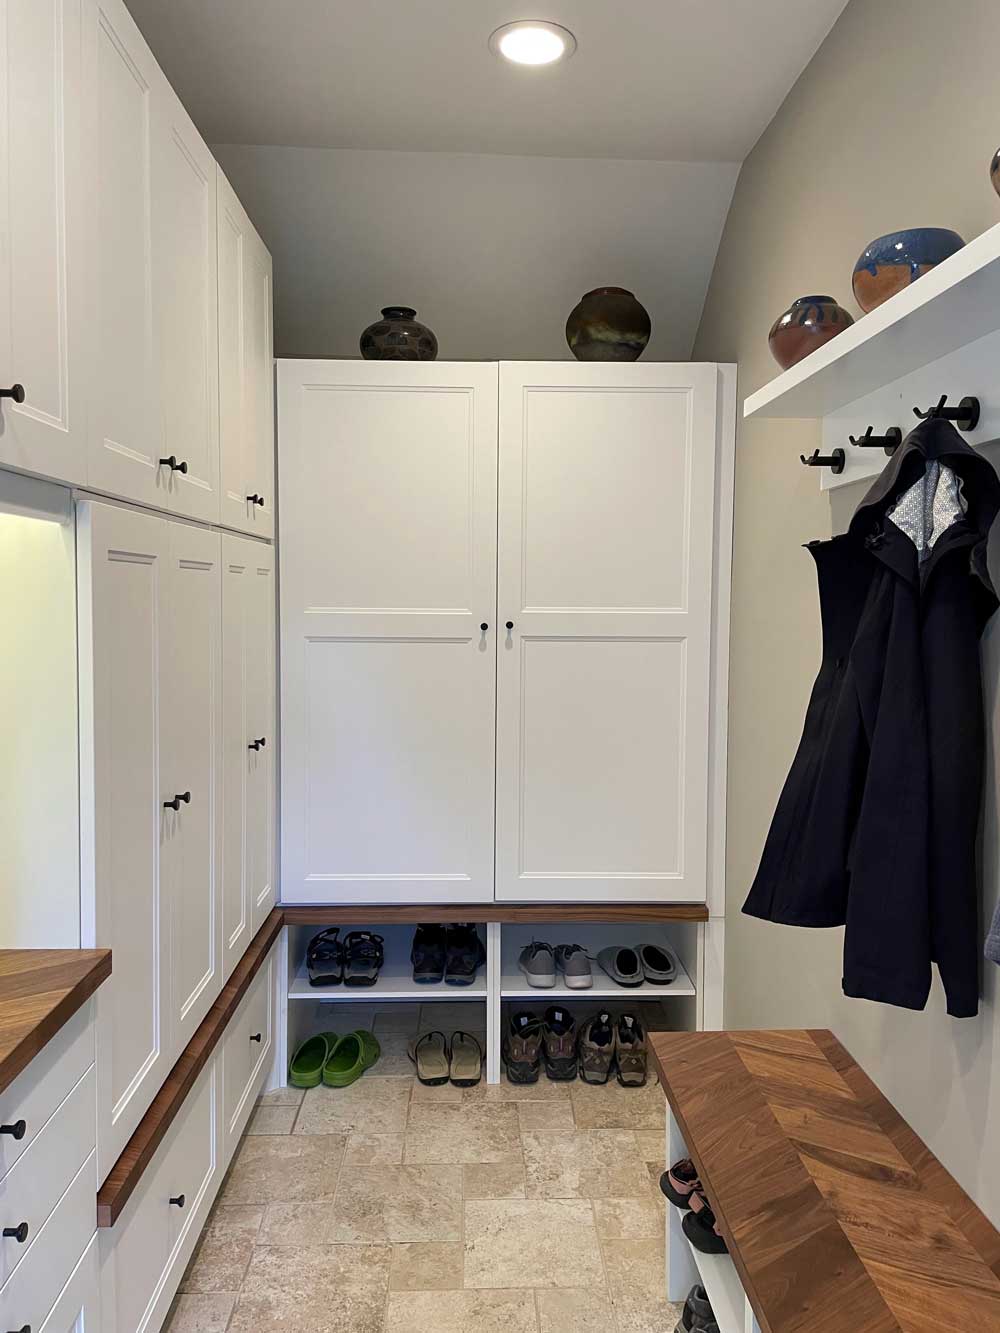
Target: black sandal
(325,958)
(363,958)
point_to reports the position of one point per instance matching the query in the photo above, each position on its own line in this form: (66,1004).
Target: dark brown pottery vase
(808,323)
(995,171)
(609,324)
(398,336)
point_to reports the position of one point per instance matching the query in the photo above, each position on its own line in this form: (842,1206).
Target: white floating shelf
(953,305)
(395,982)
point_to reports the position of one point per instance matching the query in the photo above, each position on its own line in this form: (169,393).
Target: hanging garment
(876,824)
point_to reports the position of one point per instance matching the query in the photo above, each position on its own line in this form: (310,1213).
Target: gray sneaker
(538,963)
(573,962)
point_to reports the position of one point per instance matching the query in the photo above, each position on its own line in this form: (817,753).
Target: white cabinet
(78,1309)
(388,486)
(565,626)
(248,742)
(246,372)
(185,305)
(246,1055)
(42,301)
(190,772)
(605,574)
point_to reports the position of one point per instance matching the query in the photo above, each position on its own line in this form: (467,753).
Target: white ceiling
(683,80)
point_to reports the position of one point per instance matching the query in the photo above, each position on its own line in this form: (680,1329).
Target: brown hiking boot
(522,1048)
(559,1037)
(597,1048)
(631,1042)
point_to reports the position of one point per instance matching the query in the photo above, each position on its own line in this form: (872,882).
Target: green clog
(371,1050)
(306,1067)
(350,1056)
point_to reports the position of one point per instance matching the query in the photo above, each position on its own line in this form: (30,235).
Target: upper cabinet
(41,239)
(246,379)
(128,269)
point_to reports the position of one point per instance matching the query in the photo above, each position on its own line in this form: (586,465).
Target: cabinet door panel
(388,479)
(78,1309)
(260,721)
(41,239)
(605,569)
(186,305)
(123,413)
(236,925)
(190,764)
(122,567)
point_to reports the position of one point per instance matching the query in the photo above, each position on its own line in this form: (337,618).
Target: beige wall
(892,125)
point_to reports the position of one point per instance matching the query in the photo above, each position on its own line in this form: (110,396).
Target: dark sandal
(325,958)
(363,958)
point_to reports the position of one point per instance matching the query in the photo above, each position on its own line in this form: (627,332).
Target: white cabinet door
(246,371)
(123,419)
(78,1309)
(248,742)
(42,301)
(605,573)
(260,869)
(185,303)
(122,568)
(388,569)
(191,773)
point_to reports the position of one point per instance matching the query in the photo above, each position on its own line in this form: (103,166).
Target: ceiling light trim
(555,30)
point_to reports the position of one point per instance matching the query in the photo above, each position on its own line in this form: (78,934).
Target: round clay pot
(995,171)
(398,336)
(892,262)
(609,324)
(808,323)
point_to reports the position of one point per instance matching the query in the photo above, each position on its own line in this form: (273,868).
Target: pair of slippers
(645,963)
(439,1061)
(336,1061)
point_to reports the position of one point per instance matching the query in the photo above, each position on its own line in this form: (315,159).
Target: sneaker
(465,955)
(522,1048)
(680,1182)
(701,1228)
(538,963)
(427,954)
(573,962)
(697,1315)
(559,1041)
(596,1048)
(631,1052)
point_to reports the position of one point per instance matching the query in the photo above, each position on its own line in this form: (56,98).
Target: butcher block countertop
(40,991)
(837,1216)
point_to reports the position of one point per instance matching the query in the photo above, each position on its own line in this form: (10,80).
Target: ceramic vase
(808,323)
(398,336)
(995,171)
(892,262)
(609,324)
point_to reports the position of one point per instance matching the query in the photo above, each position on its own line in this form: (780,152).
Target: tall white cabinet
(500,591)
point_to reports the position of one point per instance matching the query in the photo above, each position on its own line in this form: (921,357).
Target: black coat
(876,825)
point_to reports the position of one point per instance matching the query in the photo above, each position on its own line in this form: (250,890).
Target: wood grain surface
(40,990)
(508,913)
(138,1152)
(836,1214)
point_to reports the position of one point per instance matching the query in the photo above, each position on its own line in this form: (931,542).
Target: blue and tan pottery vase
(609,324)
(398,336)
(808,323)
(892,262)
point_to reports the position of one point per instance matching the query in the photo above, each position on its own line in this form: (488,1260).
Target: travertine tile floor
(389,1207)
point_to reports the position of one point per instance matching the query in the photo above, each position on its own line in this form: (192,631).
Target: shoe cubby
(395,980)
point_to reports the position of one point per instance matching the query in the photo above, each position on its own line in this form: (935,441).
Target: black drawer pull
(17,1130)
(258,744)
(255,500)
(178,1202)
(256,1036)
(18,1233)
(16,391)
(175,804)
(173,464)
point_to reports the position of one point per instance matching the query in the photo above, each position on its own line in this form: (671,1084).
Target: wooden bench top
(837,1216)
(40,991)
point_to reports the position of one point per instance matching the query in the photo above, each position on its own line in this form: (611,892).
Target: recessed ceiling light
(533,42)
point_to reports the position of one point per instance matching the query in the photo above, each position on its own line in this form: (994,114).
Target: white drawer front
(28,1296)
(246,1053)
(78,1309)
(33,1097)
(153,1239)
(32,1188)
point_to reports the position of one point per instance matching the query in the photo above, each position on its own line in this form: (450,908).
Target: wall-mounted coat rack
(889,442)
(965,415)
(835,461)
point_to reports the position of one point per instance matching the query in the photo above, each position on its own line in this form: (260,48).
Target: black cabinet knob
(25,1328)
(174,465)
(16,391)
(18,1233)
(178,1201)
(510,624)
(175,804)
(258,744)
(255,500)
(256,1036)
(17,1130)
(484,626)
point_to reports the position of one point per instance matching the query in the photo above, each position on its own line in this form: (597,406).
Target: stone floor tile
(377,1106)
(461,1312)
(545,1117)
(200,1314)
(394,1061)
(613,1107)
(272,1120)
(628,1219)
(396,1018)
(462,1133)
(282,1097)
(494,1180)
(531,1243)
(594,1164)
(223,1250)
(284,1169)
(436,1095)
(314,1289)
(542,1091)
(635,1271)
(575,1310)
(427,1266)
(364,1149)
(651,1145)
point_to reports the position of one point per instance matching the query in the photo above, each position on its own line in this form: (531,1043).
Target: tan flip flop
(430,1054)
(466,1060)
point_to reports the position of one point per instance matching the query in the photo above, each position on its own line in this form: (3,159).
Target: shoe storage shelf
(835,1214)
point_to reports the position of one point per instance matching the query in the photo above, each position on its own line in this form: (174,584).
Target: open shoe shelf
(395,981)
(514,985)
